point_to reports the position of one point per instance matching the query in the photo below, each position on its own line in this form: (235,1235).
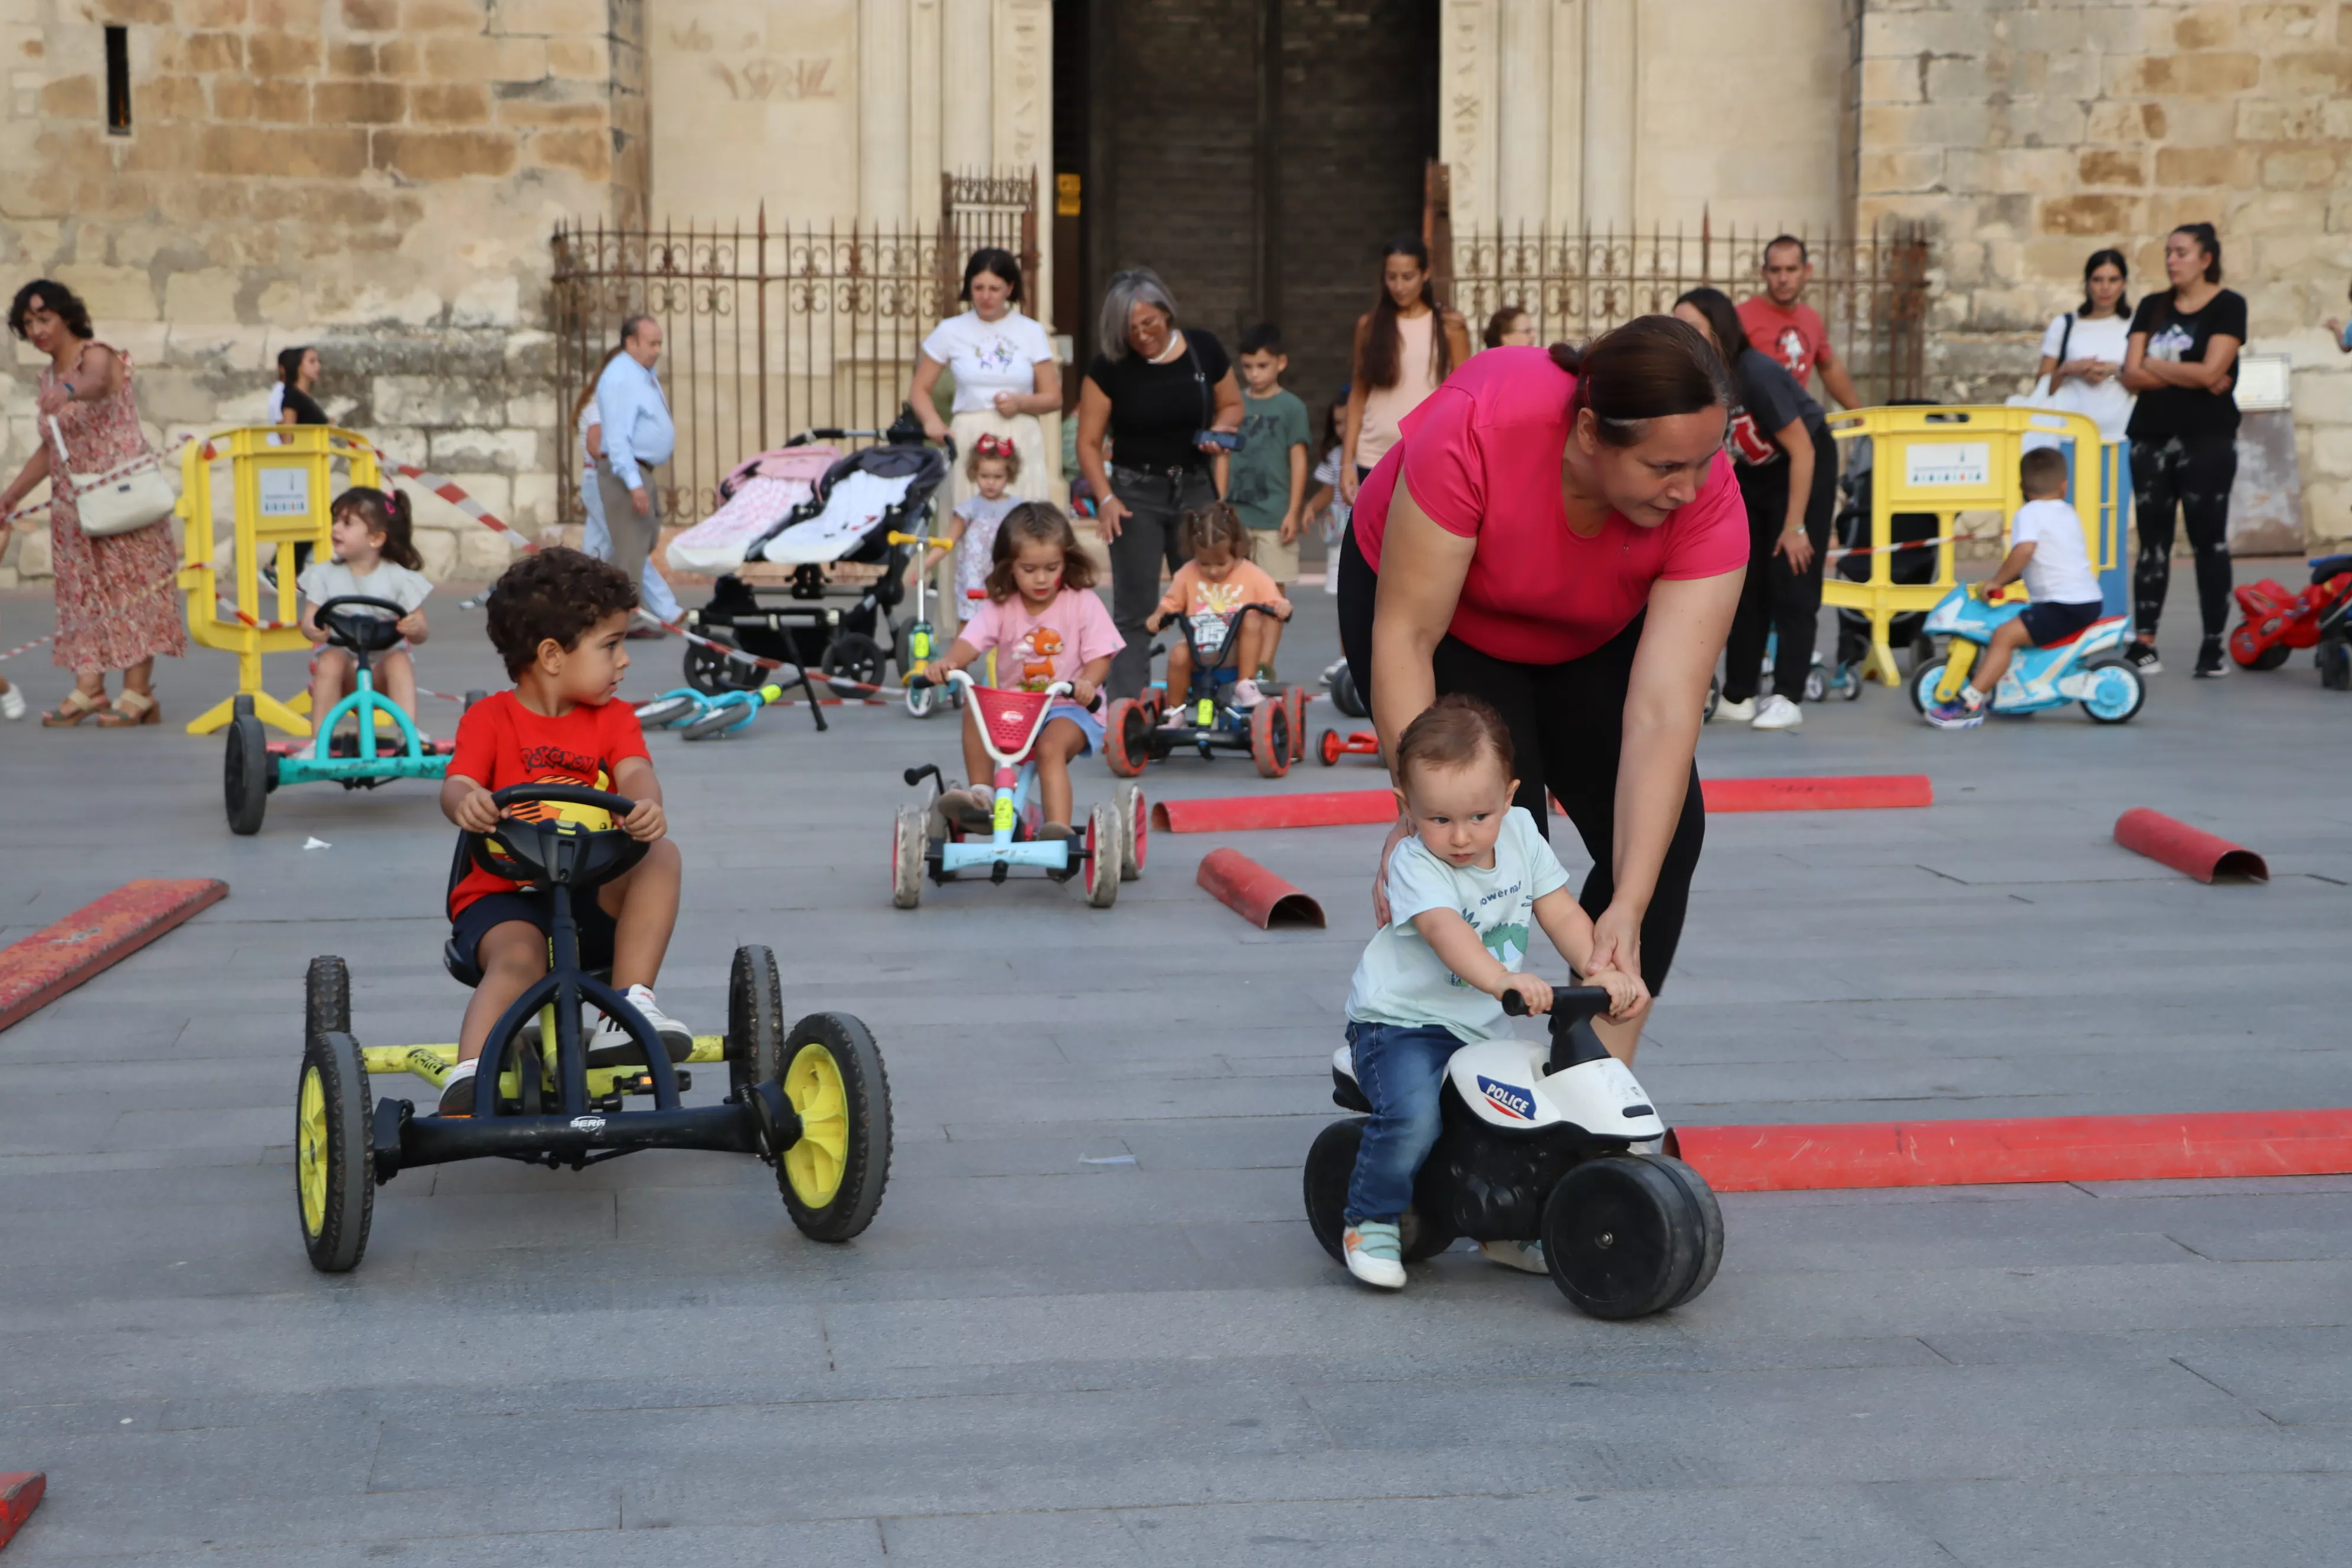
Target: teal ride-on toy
(254,768)
(811,1100)
(1136,732)
(2088,667)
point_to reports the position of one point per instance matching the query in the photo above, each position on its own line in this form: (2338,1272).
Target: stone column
(1564,198)
(1466,121)
(967,120)
(1612,102)
(1523,143)
(883,87)
(1024,140)
(923,110)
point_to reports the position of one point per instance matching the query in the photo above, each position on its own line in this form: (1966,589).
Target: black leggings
(1774,598)
(2194,473)
(1567,722)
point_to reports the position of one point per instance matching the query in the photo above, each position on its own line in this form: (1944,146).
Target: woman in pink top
(1406,346)
(1560,534)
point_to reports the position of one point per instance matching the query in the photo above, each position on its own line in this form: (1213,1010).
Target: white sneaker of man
(1729,712)
(1777,713)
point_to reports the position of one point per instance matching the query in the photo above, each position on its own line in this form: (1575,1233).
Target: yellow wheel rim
(815,1164)
(311,1151)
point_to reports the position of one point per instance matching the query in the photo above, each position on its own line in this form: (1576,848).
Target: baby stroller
(809,623)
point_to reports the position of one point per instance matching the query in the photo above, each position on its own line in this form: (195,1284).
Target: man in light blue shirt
(637,434)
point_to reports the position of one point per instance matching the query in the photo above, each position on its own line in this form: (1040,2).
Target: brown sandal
(76,707)
(129,711)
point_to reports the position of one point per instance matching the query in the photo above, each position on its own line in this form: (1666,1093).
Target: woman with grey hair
(1167,402)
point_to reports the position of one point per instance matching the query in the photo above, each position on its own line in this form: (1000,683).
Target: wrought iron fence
(768,332)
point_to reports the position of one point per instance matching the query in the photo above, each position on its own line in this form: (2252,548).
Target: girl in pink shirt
(1045,624)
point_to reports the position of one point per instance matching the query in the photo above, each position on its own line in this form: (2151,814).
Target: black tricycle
(1137,730)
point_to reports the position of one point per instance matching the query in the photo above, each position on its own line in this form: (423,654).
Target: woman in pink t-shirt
(1559,533)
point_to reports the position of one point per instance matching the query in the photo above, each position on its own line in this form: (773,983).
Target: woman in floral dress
(116,604)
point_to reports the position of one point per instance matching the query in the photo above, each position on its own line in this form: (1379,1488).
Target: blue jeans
(1401,1068)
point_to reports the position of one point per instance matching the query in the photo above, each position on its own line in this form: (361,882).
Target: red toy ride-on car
(2278,621)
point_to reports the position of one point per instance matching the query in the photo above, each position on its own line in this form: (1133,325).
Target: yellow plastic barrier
(1948,460)
(283,481)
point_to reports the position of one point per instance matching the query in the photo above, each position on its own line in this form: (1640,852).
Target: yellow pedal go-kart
(811,1100)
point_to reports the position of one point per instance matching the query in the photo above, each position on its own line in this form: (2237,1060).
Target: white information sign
(1930,465)
(285,492)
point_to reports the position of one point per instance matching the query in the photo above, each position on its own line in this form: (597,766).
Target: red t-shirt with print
(1792,334)
(502,742)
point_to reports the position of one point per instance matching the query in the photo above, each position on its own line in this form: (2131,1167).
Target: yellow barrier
(281,482)
(1945,461)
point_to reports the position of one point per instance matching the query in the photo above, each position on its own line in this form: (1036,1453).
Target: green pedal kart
(811,1100)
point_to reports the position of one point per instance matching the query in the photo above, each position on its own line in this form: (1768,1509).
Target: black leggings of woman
(1567,722)
(2194,474)
(1772,599)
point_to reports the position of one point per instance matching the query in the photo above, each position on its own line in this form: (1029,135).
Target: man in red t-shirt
(1779,324)
(559,619)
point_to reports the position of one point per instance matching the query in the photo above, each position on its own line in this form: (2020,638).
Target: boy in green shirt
(1266,481)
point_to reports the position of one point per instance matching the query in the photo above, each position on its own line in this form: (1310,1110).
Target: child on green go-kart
(376,558)
(559,619)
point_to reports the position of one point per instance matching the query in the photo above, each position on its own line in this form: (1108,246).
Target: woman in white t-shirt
(2082,351)
(1005,375)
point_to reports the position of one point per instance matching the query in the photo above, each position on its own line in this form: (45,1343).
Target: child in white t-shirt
(992,466)
(374,557)
(1462,892)
(2045,549)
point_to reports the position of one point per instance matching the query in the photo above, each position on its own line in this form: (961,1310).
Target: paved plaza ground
(1036,1358)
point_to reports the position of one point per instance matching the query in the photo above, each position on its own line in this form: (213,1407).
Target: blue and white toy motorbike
(2088,667)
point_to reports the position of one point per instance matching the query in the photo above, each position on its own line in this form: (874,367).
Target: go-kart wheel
(710,671)
(334,1155)
(1709,1217)
(1127,737)
(832,1179)
(1924,681)
(2115,693)
(1330,1164)
(853,665)
(244,772)
(907,845)
(2334,661)
(326,999)
(1135,830)
(1294,705)
(755,1019)
(1621,1238)
(1104,841)
(1269,736)
(1329,748)
(921,702)
(1344,696)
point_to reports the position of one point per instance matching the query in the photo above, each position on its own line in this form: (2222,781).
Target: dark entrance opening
(1256,153)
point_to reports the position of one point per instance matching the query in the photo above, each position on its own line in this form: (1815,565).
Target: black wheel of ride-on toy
(832,1179)
(755,1019)
(712,672)
(1330,1165)
(1135,830)
(1293,706)
(1328,748)
(1102,851)
(908,851)
(1344,695)
(853,666)
(1127,737)
(1710,1224)
(334,1155)
(326,999)
(2270,657)
(1623,1238)
(2334,661)
(244,772)
(1269,737)
(1923,684)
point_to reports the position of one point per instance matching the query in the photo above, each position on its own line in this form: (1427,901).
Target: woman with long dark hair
(1400,357)
(2183,362)
(1560,536)
(2083,350)
(298,378)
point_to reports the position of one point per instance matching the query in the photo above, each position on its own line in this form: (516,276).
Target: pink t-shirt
(1034,651)
(1482,457)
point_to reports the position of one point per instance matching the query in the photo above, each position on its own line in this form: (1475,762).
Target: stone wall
(377,177)
(2029,134)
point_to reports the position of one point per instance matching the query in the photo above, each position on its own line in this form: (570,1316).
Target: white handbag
(123,500)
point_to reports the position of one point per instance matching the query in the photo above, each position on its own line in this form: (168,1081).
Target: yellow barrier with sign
(1945,461)
(281,484)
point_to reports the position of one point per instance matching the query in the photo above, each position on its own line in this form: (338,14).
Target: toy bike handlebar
(895,537)
(1568,1002)
(563,795)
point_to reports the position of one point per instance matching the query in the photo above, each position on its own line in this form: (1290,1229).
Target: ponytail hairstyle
(2208,240)
(588,393)
(1035,522)
(1215,524)
(1651,367)
(385,512)
(2115,258)
(1377,366)
(289,364)
(1722,321)
(1000,448)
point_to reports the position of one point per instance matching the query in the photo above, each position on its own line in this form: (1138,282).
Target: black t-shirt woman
(297,374)
(2183,362)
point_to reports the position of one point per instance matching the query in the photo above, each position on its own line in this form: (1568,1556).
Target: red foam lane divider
(2021,1149)
(20,1494)
(1225,814)
(1255,894)
(43,967)
(2202,855)
(1857,791)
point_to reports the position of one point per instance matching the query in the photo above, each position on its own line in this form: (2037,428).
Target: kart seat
(2078,636)
(2329,567)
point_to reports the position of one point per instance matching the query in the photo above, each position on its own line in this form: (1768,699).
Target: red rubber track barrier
(1854,792)
(1363,808)
(2202,855)
(2021,1149)
(20,1494)
(43,967)
(1256,894)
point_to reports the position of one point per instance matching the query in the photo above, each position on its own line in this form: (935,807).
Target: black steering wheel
(1232,635)
(552,852)
(346,627)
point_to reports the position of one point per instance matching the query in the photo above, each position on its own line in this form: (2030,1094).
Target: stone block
(2202,122)
(585,153)
(402,59)
(459,103)
(2326,72)
(169,99)
(2118,120)
(555,18)
(370,16)
(294,16)
(281,53)
(360,104)
(438,548)
(434,401)
(350,60)
(487,302)
(2111,166)
(483,553)
(579,59)
(442,16)
(112,293)
(2193,76)
(567,105)
(2261,213)
(2327,511)
(2229,165)
(1901,169)
(534,410)
(70,97)
(208,296)
(504,451)
(2205,27)
(2331,452)
(535,499)
(2101,216)
(2297,24)
(211,13)
(2323,399)
(233,98)
(443,155)
(494,492)
(201,54)
(282,102)
(486,59)
(2299,169)
(2275,120)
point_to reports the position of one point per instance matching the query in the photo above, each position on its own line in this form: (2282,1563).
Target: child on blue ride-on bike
(2046,549)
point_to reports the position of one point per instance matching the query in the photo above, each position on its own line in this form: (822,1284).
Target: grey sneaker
(1527,1257)
(457,1090)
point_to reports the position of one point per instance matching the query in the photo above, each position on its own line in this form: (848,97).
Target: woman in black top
(298,369)
(1787,463)
(2182,361)
(1155,391)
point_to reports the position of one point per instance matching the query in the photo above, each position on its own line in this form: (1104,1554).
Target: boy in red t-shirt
(559,619)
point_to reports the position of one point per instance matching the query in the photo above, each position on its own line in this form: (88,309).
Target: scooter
(732,711)
(1543,1145)
(2278,621)
(916,638)
(679,705)
(2087,667)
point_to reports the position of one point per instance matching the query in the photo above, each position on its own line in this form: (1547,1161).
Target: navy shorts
(2050,623)
(473,921)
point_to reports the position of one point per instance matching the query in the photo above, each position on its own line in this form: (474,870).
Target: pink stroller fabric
(759,492)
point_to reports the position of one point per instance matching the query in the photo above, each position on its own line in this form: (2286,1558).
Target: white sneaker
(1727,711)
(11,704)
(1246,694)
(611,1044)
(1527,1257)
(457,1090)
(1777,713)
(1376,1255)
